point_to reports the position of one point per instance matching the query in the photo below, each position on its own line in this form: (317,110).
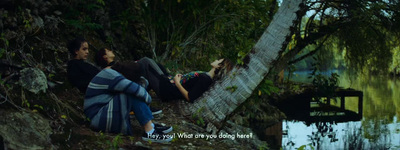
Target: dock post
(360,105)
(342,102)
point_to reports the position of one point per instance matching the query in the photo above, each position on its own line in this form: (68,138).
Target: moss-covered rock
(24,130)
(33,79)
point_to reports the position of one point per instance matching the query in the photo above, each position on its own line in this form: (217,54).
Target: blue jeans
(141,110)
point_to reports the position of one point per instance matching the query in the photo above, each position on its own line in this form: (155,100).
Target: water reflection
(378,129)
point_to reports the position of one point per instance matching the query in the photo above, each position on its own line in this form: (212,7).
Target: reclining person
(148,68)
(189,86)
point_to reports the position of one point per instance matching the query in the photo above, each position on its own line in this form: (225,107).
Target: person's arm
(121,84)
(178,84)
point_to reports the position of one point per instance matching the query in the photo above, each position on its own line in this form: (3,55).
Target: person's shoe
(143,82)
(157,137)
(163,129)
(155,111)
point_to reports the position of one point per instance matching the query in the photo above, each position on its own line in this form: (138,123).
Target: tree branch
(310,53)
(4,62)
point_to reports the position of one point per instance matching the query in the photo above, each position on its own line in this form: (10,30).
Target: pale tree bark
(220,101)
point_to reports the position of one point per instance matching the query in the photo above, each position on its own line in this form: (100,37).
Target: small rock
(165,148)
(183,147)
(51,84)
(58,12)
(211,128)
(190,144)
(5,12)
(33,79)
(140,144)
(38,22)
(28,11)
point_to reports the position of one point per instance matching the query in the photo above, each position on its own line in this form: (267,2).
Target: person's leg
(141,110)
(148,127)
(150,63)
(163,69)
(151,72)
(153,132)
(143,114)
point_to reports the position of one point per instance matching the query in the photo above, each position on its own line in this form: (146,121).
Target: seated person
(79,72)
(109,99)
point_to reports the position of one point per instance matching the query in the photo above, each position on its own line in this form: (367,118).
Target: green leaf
(101,2)
(231,88)
(51,75)
(302,147)
(2,51)
(38,106)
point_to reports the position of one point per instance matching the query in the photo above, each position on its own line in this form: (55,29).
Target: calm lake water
(379,127)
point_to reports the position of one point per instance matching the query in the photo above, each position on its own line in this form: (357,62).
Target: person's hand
(177,78)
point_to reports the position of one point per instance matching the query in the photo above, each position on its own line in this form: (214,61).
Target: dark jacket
(195,87)
(80,73)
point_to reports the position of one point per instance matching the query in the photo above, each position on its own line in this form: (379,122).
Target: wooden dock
(351,93)
(299,107)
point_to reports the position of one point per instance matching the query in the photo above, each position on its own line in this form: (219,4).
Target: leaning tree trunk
(221,100)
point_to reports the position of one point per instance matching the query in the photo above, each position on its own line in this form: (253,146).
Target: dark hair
(75,45)
(130,70)
(99,58)
(225,67)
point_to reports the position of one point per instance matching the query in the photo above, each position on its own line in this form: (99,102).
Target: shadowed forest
(41,109)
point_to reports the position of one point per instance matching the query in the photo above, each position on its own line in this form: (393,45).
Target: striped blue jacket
(107,101)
